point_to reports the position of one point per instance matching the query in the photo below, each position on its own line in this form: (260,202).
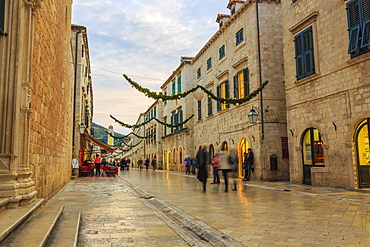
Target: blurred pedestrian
(216,167)
(154,163)
(147,161)
(187,164)
(248,164)
(229,164)
(97,164)
(193,161)
(201,161)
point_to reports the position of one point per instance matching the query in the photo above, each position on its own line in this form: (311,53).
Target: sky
(144,40)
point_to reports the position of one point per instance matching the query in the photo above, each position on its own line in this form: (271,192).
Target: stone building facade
(36,98)
(327,89)
(246,51)
(83,145)
(178,141)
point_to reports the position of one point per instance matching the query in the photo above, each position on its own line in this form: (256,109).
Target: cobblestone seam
(187,222)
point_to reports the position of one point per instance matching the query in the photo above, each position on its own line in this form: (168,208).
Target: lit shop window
(313,152)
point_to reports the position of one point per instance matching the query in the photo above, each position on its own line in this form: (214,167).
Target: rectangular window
(221,52)
(179,84)
(172,121)
(82,50)
(304,54)
(176,120)
(198,73)
(164,126)
(239,36)
(241,84)
(358,15)
(165,101)
(173,88)
(223,92)
(233,11)
(2,17)
(209,63)
(210,106)
(199,109)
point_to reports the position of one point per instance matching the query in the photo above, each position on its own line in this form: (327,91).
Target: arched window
(180,156)
(174,156)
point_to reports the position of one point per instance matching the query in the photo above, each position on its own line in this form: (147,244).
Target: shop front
(362,152)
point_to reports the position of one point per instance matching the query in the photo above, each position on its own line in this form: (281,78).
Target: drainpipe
(75,94)
(260,71)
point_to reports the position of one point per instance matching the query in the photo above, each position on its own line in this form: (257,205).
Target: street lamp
(198,95)
(82,128)
(253,115)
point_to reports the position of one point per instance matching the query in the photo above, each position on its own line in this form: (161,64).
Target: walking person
(228,164)
(147,161)
(97,164)
(154,163)
(201,161)
(187,164)
(248,164)
(216,167)
(193,161)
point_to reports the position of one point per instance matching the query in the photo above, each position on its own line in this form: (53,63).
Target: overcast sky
(143,39)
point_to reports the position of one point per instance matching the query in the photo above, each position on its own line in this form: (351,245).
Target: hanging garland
(157,96)
(132,146)
(135,126)
(125,136)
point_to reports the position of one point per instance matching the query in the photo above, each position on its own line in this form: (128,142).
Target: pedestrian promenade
(166,208)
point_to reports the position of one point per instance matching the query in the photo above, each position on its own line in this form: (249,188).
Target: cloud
(141,39)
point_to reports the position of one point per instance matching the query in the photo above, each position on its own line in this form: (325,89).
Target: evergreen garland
(161,96)
(135,126)
(125,136)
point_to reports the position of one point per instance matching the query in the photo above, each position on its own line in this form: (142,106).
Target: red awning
(99,143)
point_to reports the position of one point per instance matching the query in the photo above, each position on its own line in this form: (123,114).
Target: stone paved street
(159,208)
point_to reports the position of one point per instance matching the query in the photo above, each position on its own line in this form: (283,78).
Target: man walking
(97,165)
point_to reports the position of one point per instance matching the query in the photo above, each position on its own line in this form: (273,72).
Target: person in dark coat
(201,160)
(248,165)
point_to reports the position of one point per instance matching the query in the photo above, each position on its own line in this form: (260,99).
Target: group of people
(227,162)
(147,163)
(189,165)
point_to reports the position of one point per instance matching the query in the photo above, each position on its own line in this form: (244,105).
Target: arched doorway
(363,153)
(242,149)
(313,153)
(225,146)
(168,160)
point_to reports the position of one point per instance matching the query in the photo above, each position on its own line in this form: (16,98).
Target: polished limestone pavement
(166,208)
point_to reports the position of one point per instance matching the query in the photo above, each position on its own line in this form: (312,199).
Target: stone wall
(52,98)
(334,100)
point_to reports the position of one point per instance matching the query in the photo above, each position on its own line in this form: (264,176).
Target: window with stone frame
(241,84)
(358,19)
(179,84)
(304,53)
(198,73)
(221,52)
(223,92)
(209,63)
(173,87)
(199,109)
(239,36)
(2,17)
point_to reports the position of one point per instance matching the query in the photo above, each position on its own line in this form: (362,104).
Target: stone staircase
(39,225)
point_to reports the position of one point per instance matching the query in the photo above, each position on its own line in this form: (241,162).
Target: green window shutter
(227,92)
(173,88)
(199,109)
(179,84)
(181,119)
(308,52)
(218,95)
(246,82)
(354,24)
(236,86)
(299,55)
(2,17)
(365,41)
(155,111)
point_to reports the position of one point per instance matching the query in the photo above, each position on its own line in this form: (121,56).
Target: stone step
(11,219)
(37,229)
(65,233)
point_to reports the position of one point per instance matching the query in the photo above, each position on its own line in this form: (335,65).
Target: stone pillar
(16,183)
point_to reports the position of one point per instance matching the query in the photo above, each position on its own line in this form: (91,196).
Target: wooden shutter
(236,87)
(299,55)
(218,95)
(354,24)
(181,119)
(179,84)
(227,92)
(246,82)
(365,41)
(309,62)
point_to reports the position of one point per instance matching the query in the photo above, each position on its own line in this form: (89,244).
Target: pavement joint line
(185,221)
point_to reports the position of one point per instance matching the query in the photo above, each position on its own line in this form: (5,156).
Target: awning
(99,143)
